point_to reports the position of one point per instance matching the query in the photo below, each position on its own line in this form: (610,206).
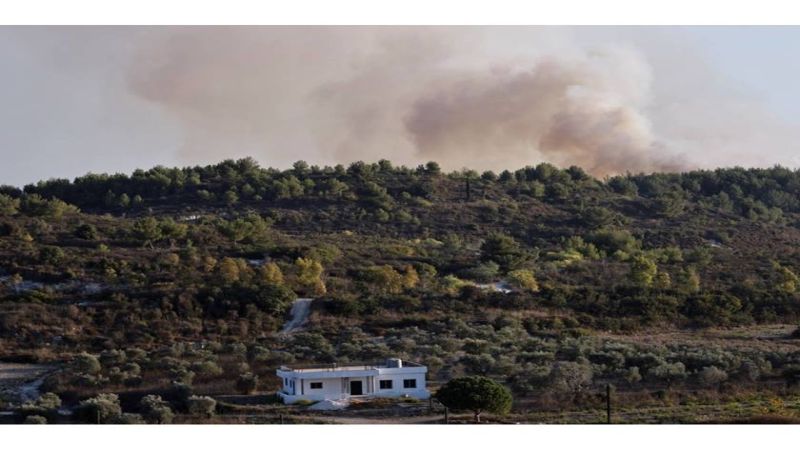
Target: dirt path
(21,382)
(300,310)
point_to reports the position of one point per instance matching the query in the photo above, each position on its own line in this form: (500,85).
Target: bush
(46,405)
(523,279)
(712,376)
(104,408)
(155,410)
(207,368)
(85,363)
(669,372)
(201,406)
(247,383)
(571,376)
(35,420)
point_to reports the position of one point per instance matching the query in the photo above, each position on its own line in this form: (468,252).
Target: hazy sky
(112,99)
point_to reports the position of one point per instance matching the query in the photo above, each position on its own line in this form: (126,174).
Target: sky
(609,99)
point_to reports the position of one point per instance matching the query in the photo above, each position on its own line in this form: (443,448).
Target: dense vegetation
(186,275)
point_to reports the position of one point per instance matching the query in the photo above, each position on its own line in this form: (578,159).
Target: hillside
(188,274)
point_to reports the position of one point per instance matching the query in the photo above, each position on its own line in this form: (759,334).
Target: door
(355,388)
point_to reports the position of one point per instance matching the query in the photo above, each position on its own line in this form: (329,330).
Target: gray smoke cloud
(408,94)
(610,100)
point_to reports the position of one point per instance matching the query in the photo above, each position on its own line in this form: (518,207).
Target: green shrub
(247,383)
(155,410)
(201,406)
(35,420)
(104,408)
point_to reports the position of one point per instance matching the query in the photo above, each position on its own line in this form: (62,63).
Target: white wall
(397,389)
(332,386)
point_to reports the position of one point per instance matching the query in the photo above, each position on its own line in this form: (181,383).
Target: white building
(394,378)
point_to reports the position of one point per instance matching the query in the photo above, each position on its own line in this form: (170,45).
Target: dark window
(317,385)
(410,384)
(386,384)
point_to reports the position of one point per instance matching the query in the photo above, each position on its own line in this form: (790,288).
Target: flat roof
(335,367)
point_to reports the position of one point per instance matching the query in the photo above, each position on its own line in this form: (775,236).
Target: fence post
(446,418)
(608,404)
(281,417)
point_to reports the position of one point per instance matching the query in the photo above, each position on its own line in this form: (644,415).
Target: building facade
(394,378)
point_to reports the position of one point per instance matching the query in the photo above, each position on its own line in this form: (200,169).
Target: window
(316,385)
(410,383)
(386,384)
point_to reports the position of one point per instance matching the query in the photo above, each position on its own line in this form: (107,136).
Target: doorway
(356,388)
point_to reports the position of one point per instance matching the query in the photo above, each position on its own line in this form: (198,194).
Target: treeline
(753,193)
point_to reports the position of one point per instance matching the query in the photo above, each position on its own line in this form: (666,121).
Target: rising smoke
(460,96)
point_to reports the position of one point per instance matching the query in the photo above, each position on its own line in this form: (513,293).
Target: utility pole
(608,404)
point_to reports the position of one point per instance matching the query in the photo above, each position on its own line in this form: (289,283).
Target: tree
(147,231)
(250,227)
(86,231)
(45,406)
(503,250)
(689,280)
(432,167)
(247,383)
(385,279)
(35,420)
(669,372)
(309,275)
(597,217)
(124,201)
(669,204)
(155,410)
(788,280)
(8,205)
(35,205)
(712,376)
(137,201)
(201,406)
(271,273)
(410,277)
(230,197)
(643,271)
(477,394)
(523,279)
(104,408)
(662,280)
(571,376)
(85,363)
(229,270)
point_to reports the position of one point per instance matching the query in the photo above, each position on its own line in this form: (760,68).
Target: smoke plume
(465,97)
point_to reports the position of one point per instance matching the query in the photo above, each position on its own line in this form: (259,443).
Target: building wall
(338,387)
(397,389)
(331,387)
